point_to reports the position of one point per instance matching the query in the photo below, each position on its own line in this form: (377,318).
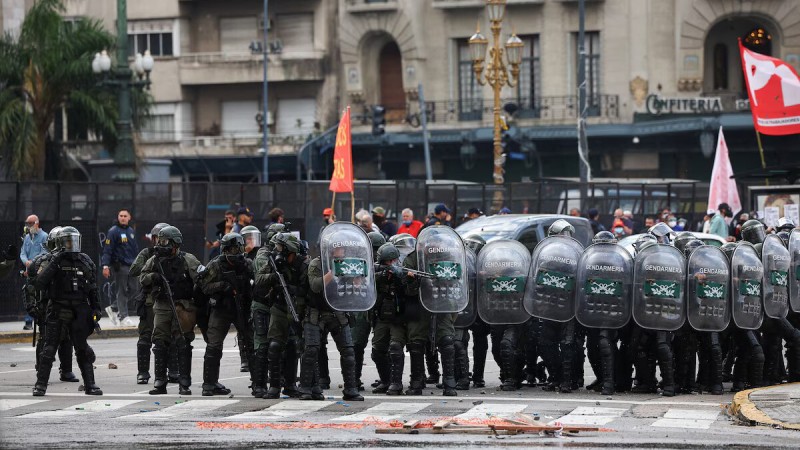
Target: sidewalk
(12,332)
(776,406)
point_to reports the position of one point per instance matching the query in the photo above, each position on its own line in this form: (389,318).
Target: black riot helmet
(681,239)
(753,232)
(377,240)
(561,228)
(387,253)
(169,241)
(691,246)
(285,243)
(662,232)
(474,242)
(156,229)
(270,231)
(644,241)
(231,246)
(604,237)
(51,239)
(728,248)
(68,239)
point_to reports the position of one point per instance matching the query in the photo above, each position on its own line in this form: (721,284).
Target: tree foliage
(43,70)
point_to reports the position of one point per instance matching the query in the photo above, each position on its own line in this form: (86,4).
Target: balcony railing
(238,143)
(552,108)
(364,6)
(450,4)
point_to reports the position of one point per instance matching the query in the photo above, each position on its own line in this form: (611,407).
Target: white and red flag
(774,90)
(723,187)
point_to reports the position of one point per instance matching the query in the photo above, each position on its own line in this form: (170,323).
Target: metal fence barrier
(196,208)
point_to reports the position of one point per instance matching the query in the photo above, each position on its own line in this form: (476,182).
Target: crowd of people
(278,298)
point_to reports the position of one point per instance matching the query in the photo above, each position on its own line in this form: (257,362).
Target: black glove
(280,262)
(219,287)
(153,279)
(33,311)
(12,252)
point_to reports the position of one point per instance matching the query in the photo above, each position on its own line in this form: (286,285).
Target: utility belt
(344,319)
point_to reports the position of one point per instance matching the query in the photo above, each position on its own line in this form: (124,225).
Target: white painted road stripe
(384,411)
(96,406)
(488,410)
(188,410)
(687,418)
(6,404)
(288,408)
(583,415)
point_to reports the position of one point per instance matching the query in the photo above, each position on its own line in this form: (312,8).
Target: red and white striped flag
(723,187)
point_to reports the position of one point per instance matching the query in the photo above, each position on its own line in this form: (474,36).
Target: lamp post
(497,76)
(121,79)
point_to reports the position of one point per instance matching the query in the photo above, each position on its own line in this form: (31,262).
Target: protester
(504,211)
(276,215)
(386,226)
(409,225)
(244,217)
(119,252)
(441,216)
(32,246)
(224,227)
(627,224)
(594,217)
(364,220)
(649,221)
(718,225)
(575,212)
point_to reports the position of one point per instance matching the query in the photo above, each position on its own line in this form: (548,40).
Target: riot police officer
(390,323)
(227,282)
(292,265)
(69,280)
(252,244)
(168,280)
(144,308)
(480,329)
(35,305)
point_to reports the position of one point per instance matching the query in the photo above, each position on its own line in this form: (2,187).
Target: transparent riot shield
(794,272)
(550,291)
(503,267)
(708,293)
(659,280)
(349,274)
(776,261)
(441,253)
(747,274)
(604,283)
(467,316)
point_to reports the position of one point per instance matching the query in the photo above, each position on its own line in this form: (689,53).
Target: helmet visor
(71,243)
(253,240)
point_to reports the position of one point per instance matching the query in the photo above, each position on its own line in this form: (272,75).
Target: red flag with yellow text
(342,177)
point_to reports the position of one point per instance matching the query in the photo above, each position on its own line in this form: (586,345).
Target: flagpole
(761,152)
(333,202)
(352,207)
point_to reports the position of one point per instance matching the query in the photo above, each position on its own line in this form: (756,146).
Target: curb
(744,409)
(22,337)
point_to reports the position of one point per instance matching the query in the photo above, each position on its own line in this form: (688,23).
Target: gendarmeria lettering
(602,268)
(560,259)
(346,244)
(653,268)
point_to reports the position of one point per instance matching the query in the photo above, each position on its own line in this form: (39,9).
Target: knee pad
(416,347)
(145,340)
(757,354)
(460,346)
(90,356)
(446,341)
(275,347)
(395,347)
(347,352)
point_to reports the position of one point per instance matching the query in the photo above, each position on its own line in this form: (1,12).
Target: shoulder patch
(108,241)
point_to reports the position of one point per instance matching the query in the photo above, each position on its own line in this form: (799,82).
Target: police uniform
(180,271)
(69,280)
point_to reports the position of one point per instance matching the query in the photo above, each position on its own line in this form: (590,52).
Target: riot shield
(659,280)
(794,273)
(708,293)
(346,253)
(441,253)
(467,316)
(776,261)
(604,279)
(550,291)
(747,274)
(503,267)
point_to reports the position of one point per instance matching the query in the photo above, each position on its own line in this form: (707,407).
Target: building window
(592,67)
(720,66)
(530,85)
(158,127)
(469,90)
(153,35)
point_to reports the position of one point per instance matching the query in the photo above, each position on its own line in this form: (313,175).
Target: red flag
(774,90)
(723,187)
(342,177)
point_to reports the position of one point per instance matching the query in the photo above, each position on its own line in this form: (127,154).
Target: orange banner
(342,177)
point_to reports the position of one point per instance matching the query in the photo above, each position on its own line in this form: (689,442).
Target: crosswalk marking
(187,410)
(487,410)
(384,411)
(687,418)
(287,408)
(95,406)
(584,415)
(6,404)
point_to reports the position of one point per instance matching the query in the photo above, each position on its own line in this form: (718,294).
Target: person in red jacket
(409,225)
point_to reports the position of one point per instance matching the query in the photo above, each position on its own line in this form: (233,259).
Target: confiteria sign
(683,105)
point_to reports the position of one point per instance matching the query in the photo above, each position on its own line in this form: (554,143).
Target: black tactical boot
(666,364)
(462,366)
(274,373)
(160,355)
(211,384)
(143,363)
(173,364)
(348,362)
(432,362)
(290,370)
(383,365)
(65,358)
(448,354)
(308,373)
(397,358)
(244,362)
(42,375)
(258,373)
(87,373)
(417,383)
(184,352)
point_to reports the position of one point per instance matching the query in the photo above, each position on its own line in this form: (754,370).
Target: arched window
(758,40)
(720,67)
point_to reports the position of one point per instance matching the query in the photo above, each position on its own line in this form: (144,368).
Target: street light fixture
(496,75)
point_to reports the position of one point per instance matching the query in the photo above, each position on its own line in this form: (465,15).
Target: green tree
(45,69)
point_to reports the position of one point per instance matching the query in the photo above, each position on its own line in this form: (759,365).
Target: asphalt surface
(127,417)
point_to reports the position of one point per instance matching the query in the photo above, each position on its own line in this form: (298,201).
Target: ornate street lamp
(120,79)
(496,75)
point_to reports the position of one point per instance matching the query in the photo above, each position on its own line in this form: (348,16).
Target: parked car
(528,229)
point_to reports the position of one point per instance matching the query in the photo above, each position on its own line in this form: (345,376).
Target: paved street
(126,416)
